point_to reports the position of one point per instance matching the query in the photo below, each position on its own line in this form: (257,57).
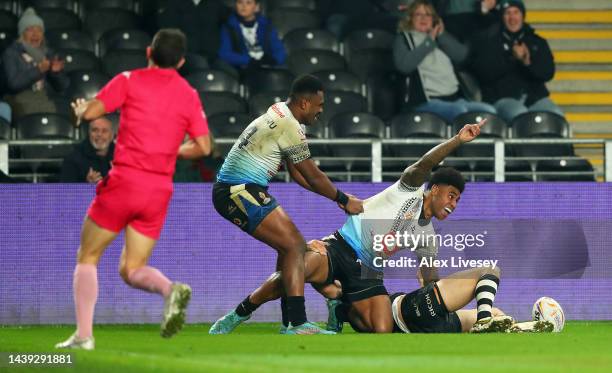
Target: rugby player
(406,206)
(241,192)
(158,107)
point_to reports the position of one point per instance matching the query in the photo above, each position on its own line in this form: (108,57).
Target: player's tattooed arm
(416,174)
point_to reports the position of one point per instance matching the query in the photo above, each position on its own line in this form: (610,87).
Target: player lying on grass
(435,308)
(405,206)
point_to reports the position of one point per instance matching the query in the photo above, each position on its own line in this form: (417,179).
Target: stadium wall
(551,240)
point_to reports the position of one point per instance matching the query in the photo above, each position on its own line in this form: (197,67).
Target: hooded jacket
(501,75)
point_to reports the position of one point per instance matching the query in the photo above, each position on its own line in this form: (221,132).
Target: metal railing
(376,151)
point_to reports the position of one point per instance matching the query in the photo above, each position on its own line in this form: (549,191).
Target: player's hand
(470,131)
(487,5)
(317,246)
(93,176)
(354,206)
(78,107)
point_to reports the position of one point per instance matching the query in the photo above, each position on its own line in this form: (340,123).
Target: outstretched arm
(416,174)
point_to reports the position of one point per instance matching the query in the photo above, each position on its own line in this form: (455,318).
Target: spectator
(513,64)
(249,40)
(30,67)
(425,53)
(201,20)
(466,18)
(92,159)
(5,111)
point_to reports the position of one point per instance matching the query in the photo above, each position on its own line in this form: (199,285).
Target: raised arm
(416,174)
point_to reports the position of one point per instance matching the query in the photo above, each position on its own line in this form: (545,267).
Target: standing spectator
(201,20)
(513,64)
(30,67)
(425,53)
(249,40)
(92,159)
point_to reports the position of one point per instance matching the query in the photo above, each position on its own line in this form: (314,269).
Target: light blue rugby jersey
(258,153)
(397,208)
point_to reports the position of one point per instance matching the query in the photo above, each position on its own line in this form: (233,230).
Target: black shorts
(357,280)
(423,311)
(245,205)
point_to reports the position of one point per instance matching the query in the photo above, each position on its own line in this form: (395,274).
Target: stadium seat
(541,125)
(469,86)
(337,102)
(193,62)
(416,125)
(294,4)
(259,103)
(59,19)
(228,125)
(355,125)
(518,166)
(340,80)
(7,37)
(99,21)
(44,127)
(5,129)
(367,62)
(131,5)
(268,80)
(384,92)
(118,61)
(317,131)
(213,81)
(77,59)
(7,6)
(222,102)
(288,19)
(71,5)
(495,128)
(306,38)
(120,39)
(70,39)
(86,83)
(565,170)
(309,61)
(367,39)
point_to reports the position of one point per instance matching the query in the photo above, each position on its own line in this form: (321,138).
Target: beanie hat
(29,18)
(505,4)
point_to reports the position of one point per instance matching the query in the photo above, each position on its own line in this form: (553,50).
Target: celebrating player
(240,194)
(406,206)
(157,108)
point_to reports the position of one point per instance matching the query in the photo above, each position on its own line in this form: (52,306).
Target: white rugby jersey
(395,209)
(258,153)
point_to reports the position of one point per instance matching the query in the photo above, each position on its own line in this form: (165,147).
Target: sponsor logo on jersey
(278,111)
(430,305)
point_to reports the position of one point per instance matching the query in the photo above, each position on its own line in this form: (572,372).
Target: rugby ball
(548,309)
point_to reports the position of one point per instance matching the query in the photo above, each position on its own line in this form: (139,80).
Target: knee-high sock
(85,289)
(150,279)
(486,288)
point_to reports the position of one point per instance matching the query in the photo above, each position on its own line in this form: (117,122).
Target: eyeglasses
(422,15)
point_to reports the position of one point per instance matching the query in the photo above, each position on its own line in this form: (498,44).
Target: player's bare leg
(135,272)
(458,289)
(372,315)
(94,240)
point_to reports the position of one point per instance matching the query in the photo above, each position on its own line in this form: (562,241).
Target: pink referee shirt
(157,108)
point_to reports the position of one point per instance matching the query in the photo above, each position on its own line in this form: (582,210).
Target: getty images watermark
(388,244)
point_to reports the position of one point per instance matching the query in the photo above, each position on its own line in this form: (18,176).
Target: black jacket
(501,75)
(76,165)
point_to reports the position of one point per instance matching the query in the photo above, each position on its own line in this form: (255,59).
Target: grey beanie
(29,18)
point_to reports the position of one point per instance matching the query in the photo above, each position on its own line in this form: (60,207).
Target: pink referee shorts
(132,197)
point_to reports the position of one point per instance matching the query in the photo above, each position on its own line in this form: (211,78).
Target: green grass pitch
(256,347)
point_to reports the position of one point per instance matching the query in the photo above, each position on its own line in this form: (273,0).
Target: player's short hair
(305,85)
(447,176)
(168,47)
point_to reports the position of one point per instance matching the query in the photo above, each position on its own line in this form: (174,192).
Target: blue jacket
(238,55)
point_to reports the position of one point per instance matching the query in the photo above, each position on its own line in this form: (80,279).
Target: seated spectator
(92,159)
(30,67)
(466,18)
(249,40)
(425,53)
(5,111)
(513,64)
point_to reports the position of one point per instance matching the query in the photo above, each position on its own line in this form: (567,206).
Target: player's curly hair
(447,176)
